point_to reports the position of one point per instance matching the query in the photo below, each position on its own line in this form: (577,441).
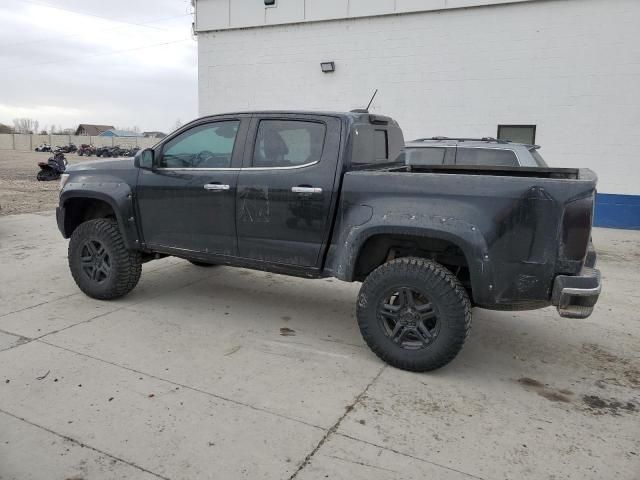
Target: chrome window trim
(293,167)
(186,169)
(239,169)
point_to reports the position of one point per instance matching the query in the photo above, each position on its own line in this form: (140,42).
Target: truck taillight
(576,228)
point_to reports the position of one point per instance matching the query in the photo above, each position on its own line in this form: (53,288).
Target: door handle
(306,190)
(216,187)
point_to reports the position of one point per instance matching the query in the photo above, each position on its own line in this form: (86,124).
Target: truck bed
(529,172)
(507,221)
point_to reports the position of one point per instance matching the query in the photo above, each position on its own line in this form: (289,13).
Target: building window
(518,133)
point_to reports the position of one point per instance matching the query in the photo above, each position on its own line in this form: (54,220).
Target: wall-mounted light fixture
(328,67)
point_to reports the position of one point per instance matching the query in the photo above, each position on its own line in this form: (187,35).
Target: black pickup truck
(315,194)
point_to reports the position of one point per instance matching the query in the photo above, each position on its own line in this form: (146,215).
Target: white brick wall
(570,67)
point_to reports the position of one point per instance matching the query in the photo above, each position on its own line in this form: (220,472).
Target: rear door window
(288,143)
(487,157)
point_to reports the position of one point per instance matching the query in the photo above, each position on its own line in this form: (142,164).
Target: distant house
(120,133)
(154,134)
(92,130)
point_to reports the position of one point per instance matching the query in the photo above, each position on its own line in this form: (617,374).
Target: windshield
(538,158)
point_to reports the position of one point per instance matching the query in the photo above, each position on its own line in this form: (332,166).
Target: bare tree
(135,129)
(177,125)
(24,125)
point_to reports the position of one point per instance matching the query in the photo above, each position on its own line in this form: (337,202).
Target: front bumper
(576,296)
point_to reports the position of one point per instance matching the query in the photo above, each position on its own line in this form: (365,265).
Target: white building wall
(225,14)
(570,67)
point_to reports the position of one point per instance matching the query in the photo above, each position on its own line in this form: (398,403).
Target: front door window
(204,146)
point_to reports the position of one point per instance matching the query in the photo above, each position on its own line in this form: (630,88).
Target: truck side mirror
(144,158)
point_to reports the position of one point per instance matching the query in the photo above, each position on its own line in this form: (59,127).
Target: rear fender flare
(464,235)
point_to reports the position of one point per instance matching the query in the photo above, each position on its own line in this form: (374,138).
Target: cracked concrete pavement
(230,373)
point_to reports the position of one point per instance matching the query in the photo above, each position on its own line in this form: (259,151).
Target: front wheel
(100,264)
(414,314)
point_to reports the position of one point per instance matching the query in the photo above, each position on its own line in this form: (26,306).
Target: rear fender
(464,235)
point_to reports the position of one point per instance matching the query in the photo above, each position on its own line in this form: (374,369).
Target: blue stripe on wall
(617,211)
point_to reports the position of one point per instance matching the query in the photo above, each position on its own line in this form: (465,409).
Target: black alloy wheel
(408,318)
(95,261)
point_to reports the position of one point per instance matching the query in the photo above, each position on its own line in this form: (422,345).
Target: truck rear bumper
(576,296)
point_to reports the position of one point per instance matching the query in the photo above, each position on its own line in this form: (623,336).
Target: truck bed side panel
(509,228)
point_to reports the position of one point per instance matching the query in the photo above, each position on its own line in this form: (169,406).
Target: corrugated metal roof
(120,133)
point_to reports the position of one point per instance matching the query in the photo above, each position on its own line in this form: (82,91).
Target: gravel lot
(20,192)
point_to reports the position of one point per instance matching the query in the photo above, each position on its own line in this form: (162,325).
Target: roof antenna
(366,110)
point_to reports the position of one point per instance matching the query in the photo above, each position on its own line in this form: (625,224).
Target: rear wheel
(414,314)
(100,264)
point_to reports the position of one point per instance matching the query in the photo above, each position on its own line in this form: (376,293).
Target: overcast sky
(118,62)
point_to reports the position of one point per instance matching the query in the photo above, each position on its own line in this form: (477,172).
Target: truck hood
(103,165)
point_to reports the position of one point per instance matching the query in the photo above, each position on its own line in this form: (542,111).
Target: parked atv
(86,149)
(52,168)
(65,148)
(103,152)
(130,152)
(43,147)
(117,151)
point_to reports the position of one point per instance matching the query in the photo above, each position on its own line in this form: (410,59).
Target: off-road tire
(443,290)
(125,265)
(201,264)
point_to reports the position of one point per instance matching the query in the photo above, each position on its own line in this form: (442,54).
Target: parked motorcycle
(52,168)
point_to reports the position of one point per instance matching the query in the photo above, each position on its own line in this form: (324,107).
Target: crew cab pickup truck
(314,194)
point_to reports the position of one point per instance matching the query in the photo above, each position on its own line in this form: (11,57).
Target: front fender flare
(117,195)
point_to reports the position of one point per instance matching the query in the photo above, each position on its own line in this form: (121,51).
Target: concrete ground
(229,373)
